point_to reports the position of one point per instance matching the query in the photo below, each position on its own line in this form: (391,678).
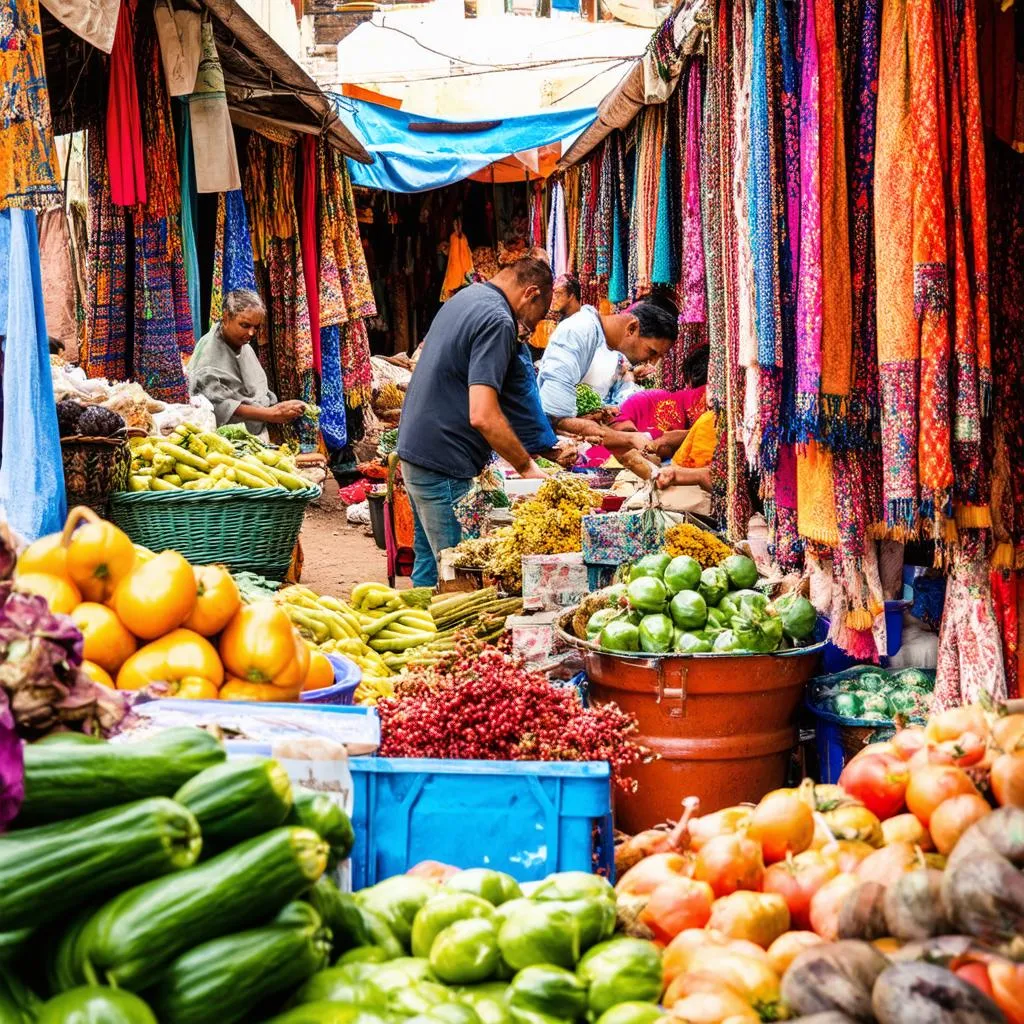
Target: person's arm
(679,476)
(485,416)
(282,412)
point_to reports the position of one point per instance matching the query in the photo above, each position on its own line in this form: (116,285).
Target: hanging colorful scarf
(618,280)
(816,497)
(288,351)
(1006,604)
(308,233)
(898,334)
(713,213)
(743,57)
(970,291)
(571,185)
(124,122)
(694,309)
(537,213)
(931,276)
(346,295)
(587,248)
(29,173)
(643,219)
(661,265)
(1006,197)
(558,250)
(163,313)
(232,252)
(186,161)
(809,284)
(333,421)
(103,354)
(836,352)
(603,226)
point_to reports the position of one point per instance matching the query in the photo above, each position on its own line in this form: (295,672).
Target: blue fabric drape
(661,270)
(239,270)
(189,214)
(31,470)
(333,422)
(407,160)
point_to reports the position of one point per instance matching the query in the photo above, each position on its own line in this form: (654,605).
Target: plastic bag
(487,492)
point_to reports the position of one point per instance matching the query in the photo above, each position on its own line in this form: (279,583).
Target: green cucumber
(223,981)
(340,914)
(49,871)
(236,800)
(91,1004)
(67,779)
(328,819)
(129,939)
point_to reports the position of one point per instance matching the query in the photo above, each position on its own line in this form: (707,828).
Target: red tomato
(796,880)
(907,742)
(879,781)
(730,862)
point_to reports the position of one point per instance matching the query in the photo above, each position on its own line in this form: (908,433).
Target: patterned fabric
(618,283)
(836,358)
(970,648)
(308,235)
(694,309)
(603,222)
(931,283)
(333,422)
(29,172)
(233,265)
(816,497)
(898,335)
(556,241)
(346,295)
(103,354)
(163,312)
(643,217)
(1006,604)
(186,162)
(809,287)
(287,351)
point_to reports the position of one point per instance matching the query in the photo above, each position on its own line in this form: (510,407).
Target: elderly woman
(225,370)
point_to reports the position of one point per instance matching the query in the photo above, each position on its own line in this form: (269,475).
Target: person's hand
(666,478)
(287,412)
(533,472)
(643,372)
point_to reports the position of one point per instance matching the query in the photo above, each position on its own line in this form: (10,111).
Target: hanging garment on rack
(189,214)
(95,21)
(557,245)
(124,119)
(31,469)
(233,265)
(29,174)
(212,135)
(181,46)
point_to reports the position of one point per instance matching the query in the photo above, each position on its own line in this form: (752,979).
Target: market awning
(645,84)
(261,81)
(413,153)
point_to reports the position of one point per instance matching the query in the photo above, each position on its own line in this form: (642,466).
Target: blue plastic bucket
(347,676)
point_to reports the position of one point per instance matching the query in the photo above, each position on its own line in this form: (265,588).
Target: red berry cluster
(490,707)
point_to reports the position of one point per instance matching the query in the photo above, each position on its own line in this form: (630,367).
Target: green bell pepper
(632,1013)
(417,998)
(488,1000)
(398,900)
(443,910)
(406,970)
(494,886)
(466,952)
(552,991)
(447,1013)
(329,1013)
(619,971)
(334,986)
(573,885)
(539,933)
(91,1004)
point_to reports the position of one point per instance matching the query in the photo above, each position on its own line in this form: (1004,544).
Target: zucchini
(64,780)
(11,944)
(91,1004)
(225,980)
(130,938)
(47,871)
(340,914)
(328,819)
(237,799)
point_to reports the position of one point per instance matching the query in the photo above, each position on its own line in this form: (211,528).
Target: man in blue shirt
(452,417)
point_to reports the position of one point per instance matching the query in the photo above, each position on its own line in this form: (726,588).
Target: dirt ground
(338,556)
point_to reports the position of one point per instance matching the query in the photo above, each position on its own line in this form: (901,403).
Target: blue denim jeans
(432,496)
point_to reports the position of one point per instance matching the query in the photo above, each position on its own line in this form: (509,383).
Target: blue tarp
(406,160)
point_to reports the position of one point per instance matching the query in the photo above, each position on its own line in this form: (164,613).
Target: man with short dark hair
(641,334)
(452,417)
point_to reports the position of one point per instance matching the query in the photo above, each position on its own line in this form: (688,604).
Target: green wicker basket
(246,530)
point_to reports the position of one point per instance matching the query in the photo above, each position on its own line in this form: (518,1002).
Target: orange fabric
(460,266)
(698,447)
(401,511)
(816,495)
(542,334)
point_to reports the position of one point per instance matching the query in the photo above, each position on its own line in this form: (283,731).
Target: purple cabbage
(12,766)
(40,673)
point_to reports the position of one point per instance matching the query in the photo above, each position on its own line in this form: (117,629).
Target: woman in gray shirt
(225,370)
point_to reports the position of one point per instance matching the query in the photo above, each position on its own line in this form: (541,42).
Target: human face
(240,330)
(639,349)
(562,304)
(533,305)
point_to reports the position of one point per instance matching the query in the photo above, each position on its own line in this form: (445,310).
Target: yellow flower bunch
(687,539)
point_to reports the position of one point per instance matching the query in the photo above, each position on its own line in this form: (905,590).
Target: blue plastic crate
(347,677)
(828,739)
(528,818)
